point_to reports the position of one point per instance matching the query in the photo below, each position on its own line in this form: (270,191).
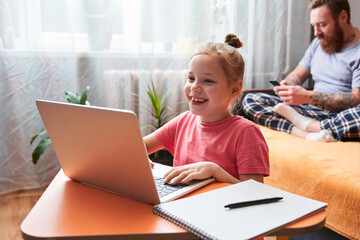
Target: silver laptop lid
(101,147)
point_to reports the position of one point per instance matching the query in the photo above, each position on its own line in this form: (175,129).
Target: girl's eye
(190,79)
(209,81)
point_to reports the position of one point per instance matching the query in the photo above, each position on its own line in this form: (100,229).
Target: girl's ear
(237,87)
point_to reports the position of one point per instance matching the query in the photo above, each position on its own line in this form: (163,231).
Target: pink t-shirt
(234,143)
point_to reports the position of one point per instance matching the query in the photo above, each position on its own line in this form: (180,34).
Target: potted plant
(46,141)
(159,116)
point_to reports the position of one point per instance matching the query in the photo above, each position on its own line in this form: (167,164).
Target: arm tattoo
(292,81)
(334,102)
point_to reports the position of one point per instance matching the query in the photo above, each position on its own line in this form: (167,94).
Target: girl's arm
(202,170)
(152,143)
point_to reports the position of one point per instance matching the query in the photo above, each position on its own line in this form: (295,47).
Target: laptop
(103,148)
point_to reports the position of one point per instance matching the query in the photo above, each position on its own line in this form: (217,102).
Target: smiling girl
(208,141)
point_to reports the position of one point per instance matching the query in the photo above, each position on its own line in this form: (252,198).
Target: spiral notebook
(205,216)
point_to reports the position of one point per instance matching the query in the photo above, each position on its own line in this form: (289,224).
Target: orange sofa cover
(328,172)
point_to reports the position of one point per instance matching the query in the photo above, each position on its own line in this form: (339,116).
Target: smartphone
(275,83)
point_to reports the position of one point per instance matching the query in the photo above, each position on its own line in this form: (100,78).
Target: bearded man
(331,111)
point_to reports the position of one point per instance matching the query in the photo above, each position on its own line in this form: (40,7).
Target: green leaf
(42,132)
(72,97)
(40,148)
(33,138)
(157,99)
(155,105)
(44,143)
(84,95)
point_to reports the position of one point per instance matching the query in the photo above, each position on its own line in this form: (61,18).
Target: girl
(208,141)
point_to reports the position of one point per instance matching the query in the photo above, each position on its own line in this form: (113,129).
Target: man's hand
(292,95)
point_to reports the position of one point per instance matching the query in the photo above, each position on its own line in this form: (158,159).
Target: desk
(71,210)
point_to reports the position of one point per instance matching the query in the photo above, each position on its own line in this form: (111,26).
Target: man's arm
(296,95)
(336,102)
(291,93)
(297,76)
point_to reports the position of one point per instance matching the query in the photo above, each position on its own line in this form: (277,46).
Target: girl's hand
(186,173)
(152,164)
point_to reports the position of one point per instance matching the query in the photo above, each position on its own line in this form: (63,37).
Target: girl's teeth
(197,100)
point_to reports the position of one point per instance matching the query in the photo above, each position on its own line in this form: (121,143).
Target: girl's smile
(196,100)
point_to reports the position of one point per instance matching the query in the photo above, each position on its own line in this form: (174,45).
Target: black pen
(253,202)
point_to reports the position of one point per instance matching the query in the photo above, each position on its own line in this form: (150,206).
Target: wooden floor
(13,209)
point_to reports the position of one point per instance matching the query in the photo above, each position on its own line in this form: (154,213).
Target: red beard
(332,44)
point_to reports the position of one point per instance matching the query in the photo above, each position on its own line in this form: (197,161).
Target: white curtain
(116,47)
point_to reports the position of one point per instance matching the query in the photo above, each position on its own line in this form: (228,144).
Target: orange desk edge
(71,210)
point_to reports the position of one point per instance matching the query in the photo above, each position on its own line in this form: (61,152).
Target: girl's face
(207,89)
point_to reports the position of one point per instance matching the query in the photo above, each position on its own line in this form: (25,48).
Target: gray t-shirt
(333,73)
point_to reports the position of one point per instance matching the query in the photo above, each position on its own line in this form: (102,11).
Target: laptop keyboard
(165,189)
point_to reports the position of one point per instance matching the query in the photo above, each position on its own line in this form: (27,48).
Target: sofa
(328,172)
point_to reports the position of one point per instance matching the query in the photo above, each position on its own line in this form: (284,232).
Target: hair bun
(233,40)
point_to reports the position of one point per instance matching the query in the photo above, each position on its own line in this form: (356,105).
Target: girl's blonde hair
(229,57)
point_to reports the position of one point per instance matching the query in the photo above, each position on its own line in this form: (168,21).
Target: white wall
(355,12)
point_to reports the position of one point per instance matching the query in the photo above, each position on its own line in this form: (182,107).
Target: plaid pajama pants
(344,126)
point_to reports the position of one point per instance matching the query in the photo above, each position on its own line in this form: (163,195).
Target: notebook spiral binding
(180,222)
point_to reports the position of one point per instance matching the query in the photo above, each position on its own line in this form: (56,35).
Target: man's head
(329,17)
